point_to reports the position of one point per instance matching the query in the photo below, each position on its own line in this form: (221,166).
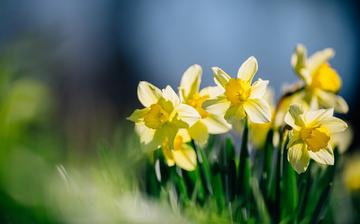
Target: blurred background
(69,69)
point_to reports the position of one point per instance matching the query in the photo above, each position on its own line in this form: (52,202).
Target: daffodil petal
(148,94)
(211,91)
(298,59)
(187,114)
(258,89)
(248,69)
(216,124)
(334,125)
(220,77)
(217,106)
(184,135)
(146,134)
(298,157)
(235,113)
(138,115)
(199,132)
(323,156)
(328,99)
(190,81)
(170,95)
(340,105)
(185,158)
(258,110)
(315,117)
(294,117)
(319,58)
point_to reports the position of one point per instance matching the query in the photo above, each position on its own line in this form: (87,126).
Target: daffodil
(190,94)
(241,98)
(310,136)
(162,116)
(181,154)
(322,82)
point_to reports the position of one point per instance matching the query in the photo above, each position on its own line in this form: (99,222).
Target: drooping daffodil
(162,116)
(310,136)
(190,94)
(240,98)
(181,154)
(322,82)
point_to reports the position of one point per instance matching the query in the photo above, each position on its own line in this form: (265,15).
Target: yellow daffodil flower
(190,94)
(310,136)
(241,98)
(162,116)
(322,82)
(182,154)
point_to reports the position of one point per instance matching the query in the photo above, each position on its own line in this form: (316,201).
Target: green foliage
(231,189)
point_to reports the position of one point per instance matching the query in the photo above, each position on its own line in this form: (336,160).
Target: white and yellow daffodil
(181,154)
(241,98)
(310,136)
(322,82)
(162,116)
(190,94)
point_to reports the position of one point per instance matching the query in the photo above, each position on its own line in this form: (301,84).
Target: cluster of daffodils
(175,122)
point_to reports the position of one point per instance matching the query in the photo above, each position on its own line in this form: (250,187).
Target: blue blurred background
(93,53)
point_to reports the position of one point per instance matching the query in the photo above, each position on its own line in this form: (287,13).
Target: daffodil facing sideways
(190,94)
(310,136)
(240,98)
(322,82)
(162,116)
(181,153)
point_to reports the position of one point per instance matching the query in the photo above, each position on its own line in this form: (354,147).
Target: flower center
(156,116)
(326,78)
(316,138)
(237,91)
(197,101)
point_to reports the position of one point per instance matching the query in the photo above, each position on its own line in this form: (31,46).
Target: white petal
(294,117)
(216,124)
(187,114)
(316,117)
(299,61)
(211,91)
(298,157)
(217,106)
(248,69)
(323,156)
(146,134)
(220,77)
(170,94)
(334,125)
(340,105)
(258,110)
(258,89)
(190,81)
(148,94)
(328,99)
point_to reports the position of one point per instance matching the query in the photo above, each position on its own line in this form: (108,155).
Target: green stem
(244,166)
